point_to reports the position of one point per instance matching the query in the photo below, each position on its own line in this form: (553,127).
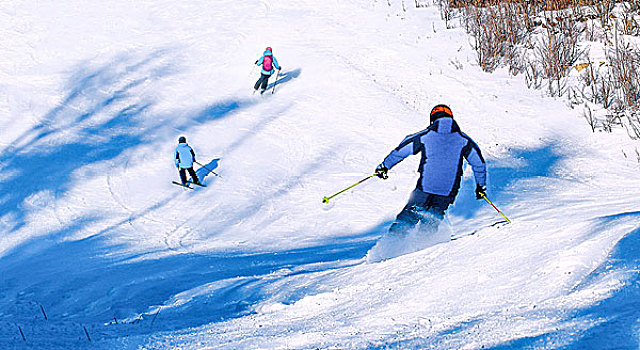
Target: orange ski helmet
(440,111)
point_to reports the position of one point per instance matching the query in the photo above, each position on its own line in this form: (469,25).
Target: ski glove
(480,191)
(177,163)
(381,172)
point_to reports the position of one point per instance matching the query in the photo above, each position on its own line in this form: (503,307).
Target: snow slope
(94,235)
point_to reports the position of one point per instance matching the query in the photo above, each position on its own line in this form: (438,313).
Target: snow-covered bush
(586,50)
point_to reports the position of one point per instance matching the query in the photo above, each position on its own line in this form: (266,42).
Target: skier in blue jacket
(184,159)
(268,62)
(442,146)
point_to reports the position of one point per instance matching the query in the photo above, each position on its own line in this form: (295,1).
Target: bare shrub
(588,115)
(497,31)
(603,10)
(629,20)
(632,123)
(625,59)
(541,38)
(533,76)
(445,12)
(557,50)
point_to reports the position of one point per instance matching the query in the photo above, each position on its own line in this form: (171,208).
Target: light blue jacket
(275,63)
(184,156)
(442,147)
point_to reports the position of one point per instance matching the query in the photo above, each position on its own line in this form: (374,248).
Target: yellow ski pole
(494,207)
(326,199)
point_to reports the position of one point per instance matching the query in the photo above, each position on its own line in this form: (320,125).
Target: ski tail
(181,185)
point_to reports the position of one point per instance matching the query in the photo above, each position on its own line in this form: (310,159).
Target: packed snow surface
(98,249)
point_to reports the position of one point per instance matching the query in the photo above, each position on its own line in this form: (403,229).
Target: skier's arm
(177,159)
(410,145)
(259,61)
(275,62)
(474,158)
(193,154)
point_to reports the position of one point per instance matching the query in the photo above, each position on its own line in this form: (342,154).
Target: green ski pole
(326,199)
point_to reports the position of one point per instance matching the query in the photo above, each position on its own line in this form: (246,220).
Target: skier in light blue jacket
(184,159)
(442,147)
(268,62)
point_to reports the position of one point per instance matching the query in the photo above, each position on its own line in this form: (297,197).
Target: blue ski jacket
(184,156)
(274,63)
(442,147)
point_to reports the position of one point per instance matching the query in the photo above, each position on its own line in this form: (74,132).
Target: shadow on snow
(106,112)
(93,281)
(207,169)
(284,77)
(96,285)
(501,177)
(613,321)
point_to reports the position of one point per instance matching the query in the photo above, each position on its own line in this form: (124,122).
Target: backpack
(267,63)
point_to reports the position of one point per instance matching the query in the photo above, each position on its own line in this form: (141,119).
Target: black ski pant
(264,81)
(425,208)
(183,175)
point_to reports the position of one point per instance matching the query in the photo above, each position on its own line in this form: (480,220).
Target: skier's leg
(258,82)
(407,219)
(439,204)
(409,216)
(432,213)
(183,176)
(194,177)
(265,82)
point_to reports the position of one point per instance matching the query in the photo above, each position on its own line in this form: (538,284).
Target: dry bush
(542,40)
(633,125)
(631,25)
(533,77)
(603,10)
(598,86)
(445,12)
(625,62)
(557,51)
(497,31)
(588,115)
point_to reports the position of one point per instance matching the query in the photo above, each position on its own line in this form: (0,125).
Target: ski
(199,184)
(497,224)
(181,185)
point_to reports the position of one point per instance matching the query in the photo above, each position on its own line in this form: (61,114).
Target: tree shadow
(101,117)
(525,164)
(617,316)
(93,282)
(107,111)
(221,109)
